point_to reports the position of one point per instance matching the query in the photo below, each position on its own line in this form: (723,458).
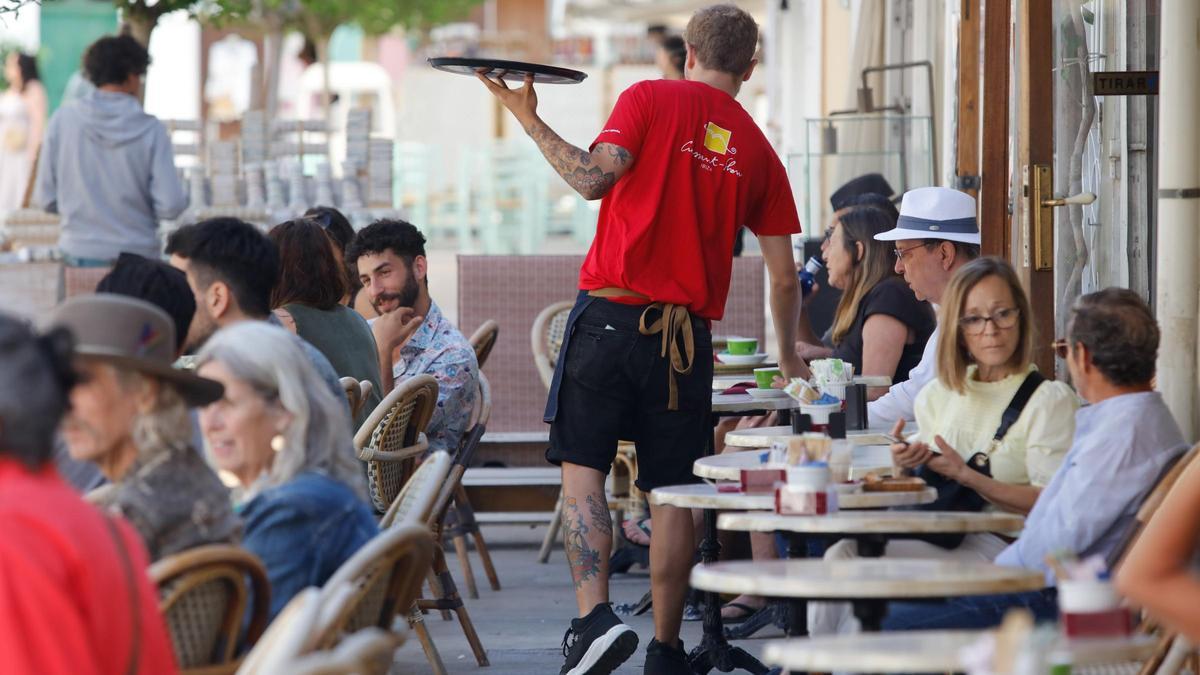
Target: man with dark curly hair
(411,334)
(106,165)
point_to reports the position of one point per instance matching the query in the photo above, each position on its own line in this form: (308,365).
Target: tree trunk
(327,84)
(140,26)
(273,52)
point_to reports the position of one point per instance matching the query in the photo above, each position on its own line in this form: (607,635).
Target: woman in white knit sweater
(985,352)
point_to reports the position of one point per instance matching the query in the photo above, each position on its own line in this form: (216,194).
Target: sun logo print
(717,139)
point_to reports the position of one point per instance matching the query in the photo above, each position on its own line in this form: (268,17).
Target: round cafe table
(853,523)
(928,651)
(747,369)
(727,404)
(764,437)
(706,496)
(868,584)
(729,465)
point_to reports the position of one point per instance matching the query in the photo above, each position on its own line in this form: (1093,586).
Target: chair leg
(551,532)
(417,622)
(451,600)
(460,548)
(466,516)
(485,557)
(437,589)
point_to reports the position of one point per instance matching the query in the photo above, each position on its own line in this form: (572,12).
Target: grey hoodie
(107,167)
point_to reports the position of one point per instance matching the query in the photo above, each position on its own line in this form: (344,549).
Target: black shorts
(614,388)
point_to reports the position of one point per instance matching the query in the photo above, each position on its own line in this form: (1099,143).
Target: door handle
(1039,193)
(1081,199)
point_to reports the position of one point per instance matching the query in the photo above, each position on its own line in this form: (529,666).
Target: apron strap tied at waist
(674,323)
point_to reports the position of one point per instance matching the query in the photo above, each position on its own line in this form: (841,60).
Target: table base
(714,651)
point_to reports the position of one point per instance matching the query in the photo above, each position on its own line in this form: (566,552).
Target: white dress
(14,158)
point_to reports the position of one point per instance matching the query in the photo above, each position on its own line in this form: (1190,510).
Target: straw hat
(133,334)
(935,213)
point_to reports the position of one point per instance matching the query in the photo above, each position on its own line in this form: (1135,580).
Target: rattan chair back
(391,439)
(547,337)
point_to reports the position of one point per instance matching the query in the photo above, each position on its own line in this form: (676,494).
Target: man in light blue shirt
(1124,442)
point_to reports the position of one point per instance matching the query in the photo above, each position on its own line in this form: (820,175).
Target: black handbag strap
(1013,412)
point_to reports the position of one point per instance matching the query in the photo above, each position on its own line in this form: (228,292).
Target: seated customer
(880,327)
(412,335)
(1123,442)
(283,436)
(232,268)
(306,300)
(984,354)
(341,233)
(129,416)
(162,286)
(65,603)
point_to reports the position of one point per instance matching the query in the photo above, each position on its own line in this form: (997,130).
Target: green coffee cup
(765,377)
(742,346)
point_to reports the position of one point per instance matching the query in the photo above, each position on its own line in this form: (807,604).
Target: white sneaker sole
(607,652)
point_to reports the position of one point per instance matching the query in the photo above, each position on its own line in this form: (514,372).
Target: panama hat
(935,213)
(133,334)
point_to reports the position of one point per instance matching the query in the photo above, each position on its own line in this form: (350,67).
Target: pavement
(522,625)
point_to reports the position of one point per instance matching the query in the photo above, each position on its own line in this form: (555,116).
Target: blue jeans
(975,612)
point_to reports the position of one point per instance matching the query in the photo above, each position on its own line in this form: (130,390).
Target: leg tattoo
(601,518)
(583,559)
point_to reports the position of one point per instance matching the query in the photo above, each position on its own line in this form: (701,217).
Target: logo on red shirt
(716,138)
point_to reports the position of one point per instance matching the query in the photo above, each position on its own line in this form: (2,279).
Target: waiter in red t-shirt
(679,166)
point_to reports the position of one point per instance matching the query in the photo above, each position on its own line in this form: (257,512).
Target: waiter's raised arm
(591,174)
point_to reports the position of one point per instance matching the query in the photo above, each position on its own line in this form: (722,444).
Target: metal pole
(1177,286)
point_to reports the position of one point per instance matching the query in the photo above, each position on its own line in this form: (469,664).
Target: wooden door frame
(966,155)
(1035,146)
(994,217)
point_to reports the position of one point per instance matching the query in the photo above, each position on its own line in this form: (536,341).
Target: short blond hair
(723,38)
(953,358)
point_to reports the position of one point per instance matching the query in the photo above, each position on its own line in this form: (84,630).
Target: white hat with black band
(935,213)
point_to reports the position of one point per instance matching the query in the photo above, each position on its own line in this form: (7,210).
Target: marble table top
(706,496)
(925,651)
(863,579)
(748,369)
(763,437)
(731,403)
(884,522)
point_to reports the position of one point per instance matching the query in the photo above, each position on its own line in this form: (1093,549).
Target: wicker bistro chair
(446,598)
(484,339)
(287,638)
(415,507)
(547,337)
(203,595)
(393,437)
(367,589)
(367,652)
(356,394)
(456,502)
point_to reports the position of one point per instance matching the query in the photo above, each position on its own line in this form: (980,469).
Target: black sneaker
(664,660)
(597,643)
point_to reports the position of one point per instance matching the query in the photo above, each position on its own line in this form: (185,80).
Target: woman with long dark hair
(307,299)
(22,122)
(879,325)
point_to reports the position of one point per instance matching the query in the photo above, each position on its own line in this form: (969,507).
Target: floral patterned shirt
(440,350)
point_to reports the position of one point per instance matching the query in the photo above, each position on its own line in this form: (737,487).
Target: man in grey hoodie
(106,165)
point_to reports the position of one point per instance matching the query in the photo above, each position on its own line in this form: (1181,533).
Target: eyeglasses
(901,251)
(1002,318)
(1061,347)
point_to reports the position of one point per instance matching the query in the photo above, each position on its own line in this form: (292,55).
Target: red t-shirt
(64,602)
(701,168)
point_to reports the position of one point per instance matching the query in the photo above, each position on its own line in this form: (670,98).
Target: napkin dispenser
(762,480)
(856,407)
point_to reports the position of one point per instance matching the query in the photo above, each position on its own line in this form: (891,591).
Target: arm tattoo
(575,164)
(583,559)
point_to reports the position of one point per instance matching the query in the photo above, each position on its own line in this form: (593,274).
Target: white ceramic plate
(766,393)
(741,359)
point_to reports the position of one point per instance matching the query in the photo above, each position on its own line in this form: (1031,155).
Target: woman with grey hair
(284,436)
